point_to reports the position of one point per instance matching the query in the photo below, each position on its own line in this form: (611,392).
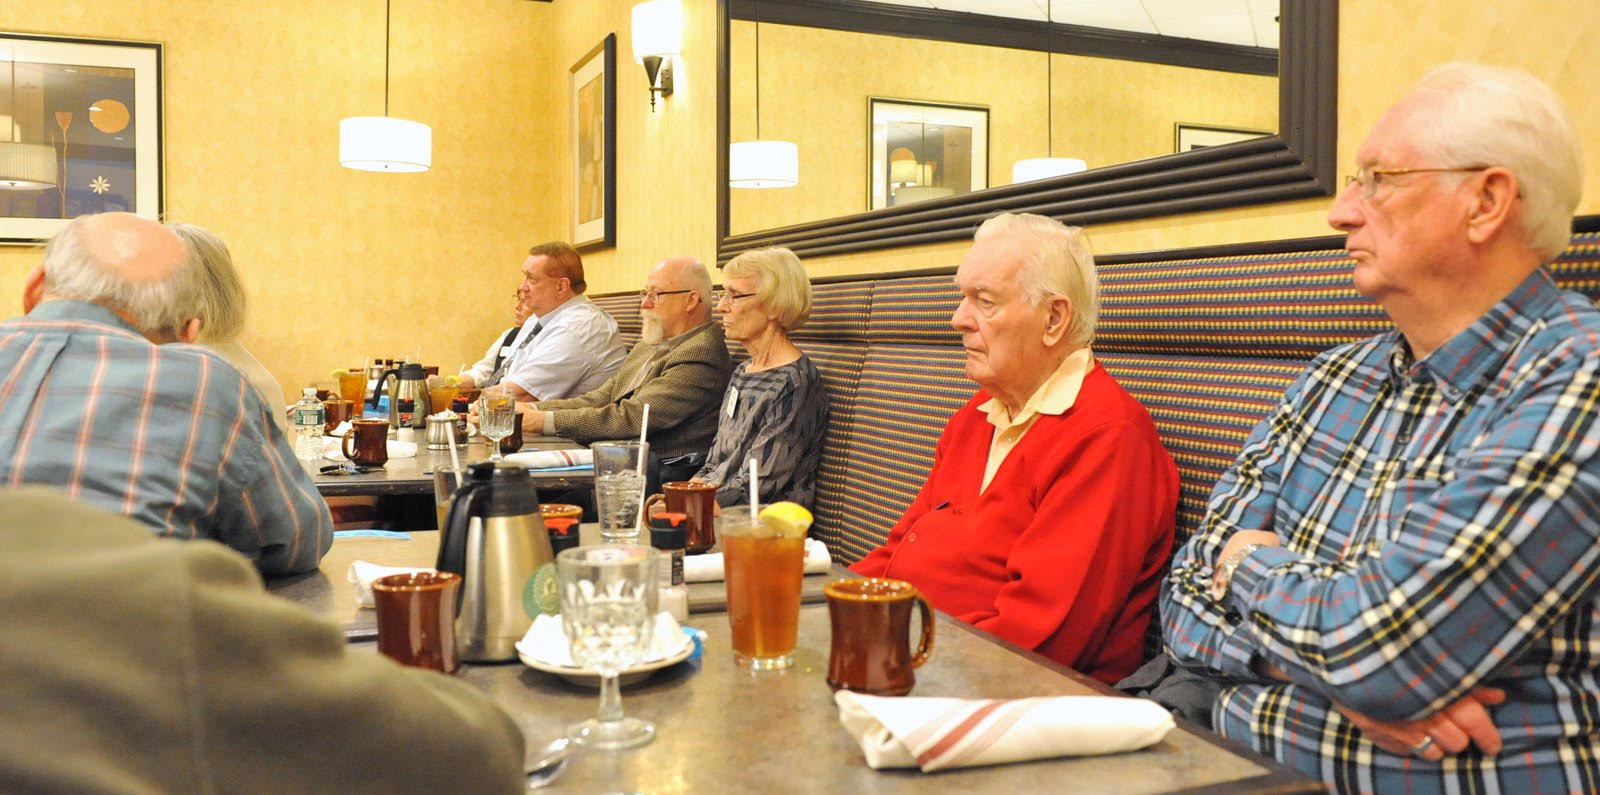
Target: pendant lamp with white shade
(1048,166)
(385,143)
(24,166)
(762,163)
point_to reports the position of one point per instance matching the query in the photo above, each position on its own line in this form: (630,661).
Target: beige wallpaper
(816,84)
(344,264)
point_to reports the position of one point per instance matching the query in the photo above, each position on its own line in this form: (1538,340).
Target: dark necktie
(505,364)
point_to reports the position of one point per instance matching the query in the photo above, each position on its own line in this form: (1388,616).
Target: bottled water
(308,425)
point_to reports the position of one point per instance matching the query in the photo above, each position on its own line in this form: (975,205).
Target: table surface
(725,729)
(328,592)
(415,475)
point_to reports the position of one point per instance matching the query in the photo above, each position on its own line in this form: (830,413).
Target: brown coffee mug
(417,618)
(337,411)
(871,650)
(371,439)
(698,502)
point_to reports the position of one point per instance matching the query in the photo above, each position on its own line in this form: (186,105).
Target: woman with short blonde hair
(775,409)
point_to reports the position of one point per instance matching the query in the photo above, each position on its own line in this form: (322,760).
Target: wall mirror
(1165,124)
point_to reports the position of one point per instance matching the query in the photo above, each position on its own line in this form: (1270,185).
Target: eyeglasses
(653,295)
(731,296)
(1369,178)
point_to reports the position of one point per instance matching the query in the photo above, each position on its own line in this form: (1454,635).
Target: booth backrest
(1208,344)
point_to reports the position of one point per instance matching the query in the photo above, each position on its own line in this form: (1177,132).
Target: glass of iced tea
(353,387)
(763,564)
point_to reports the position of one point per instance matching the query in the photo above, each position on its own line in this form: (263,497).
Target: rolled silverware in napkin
(708,567)
(362,573)
(941,733)
(552,459)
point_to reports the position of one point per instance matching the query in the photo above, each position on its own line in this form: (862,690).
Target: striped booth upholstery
(1207,344)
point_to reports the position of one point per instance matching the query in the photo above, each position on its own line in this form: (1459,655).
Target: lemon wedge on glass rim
(790,520)
(338,373)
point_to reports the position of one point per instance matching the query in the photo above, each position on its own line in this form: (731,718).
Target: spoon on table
(551,761)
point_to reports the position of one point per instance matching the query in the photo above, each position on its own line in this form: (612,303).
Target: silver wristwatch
(1225,570)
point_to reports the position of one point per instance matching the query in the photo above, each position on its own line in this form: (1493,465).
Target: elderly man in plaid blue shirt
(101,397)
(1397,578)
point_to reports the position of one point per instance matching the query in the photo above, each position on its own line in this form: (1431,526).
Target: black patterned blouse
(779,416)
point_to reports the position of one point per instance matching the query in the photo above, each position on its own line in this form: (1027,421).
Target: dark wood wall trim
(1296,163)
(1023,34)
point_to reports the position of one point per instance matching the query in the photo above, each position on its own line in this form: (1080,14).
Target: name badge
(731,401)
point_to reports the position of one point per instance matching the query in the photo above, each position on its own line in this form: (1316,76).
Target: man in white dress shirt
(571,346)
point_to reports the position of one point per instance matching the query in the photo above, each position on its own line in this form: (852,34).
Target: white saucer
(587,678)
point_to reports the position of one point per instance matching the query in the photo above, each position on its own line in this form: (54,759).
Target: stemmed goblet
(608,609)
(497,409)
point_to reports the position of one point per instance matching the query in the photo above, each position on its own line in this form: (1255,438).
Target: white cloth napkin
(333,450)
(552,459)
(940,733)
(708,567)
(362,574)
(547,641)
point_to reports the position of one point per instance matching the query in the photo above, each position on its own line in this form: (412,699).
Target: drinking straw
(755,492)
(455,460)
(644,425)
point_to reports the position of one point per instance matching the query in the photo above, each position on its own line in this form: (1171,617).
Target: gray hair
(155,307)
(1062,264)
(222,304)
(697,278)
(784,287)
(1495,116)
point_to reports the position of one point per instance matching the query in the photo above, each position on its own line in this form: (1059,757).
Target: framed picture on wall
(924,150)
(1189,137)
(80,132)
(593,98)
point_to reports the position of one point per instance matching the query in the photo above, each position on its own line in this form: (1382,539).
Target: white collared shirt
(1053,397)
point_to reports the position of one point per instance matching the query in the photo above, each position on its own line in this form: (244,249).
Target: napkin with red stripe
(941,733)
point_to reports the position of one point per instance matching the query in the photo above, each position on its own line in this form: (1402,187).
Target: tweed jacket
(139,664)
(684,389)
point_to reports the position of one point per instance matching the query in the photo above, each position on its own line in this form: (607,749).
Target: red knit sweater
(1065,551)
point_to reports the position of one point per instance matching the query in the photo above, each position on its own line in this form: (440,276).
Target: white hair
(696,278)
(1062,264)
(1496,116)
(158,307)
(223,302)
(784,288)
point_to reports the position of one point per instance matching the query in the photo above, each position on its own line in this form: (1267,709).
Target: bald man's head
(131,265)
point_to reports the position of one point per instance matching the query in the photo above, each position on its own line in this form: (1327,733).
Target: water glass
(608,610)
(619,489)
(497,412)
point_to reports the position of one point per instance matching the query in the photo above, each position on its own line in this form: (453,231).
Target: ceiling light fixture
(759,163)
(385,143)
(1048,166)
(24,166)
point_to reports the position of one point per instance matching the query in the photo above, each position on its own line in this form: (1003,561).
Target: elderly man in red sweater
(1048,517)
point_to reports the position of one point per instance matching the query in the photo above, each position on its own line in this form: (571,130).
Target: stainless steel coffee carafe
(494,537)
(408,398)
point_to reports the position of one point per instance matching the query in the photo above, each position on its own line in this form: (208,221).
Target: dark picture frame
(592,96)
(97,103)
(1189,137)
(928,176)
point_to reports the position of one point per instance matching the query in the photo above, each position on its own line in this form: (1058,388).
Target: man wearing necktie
(572,345)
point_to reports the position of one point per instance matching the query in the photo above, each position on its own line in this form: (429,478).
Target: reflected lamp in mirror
(27,166)
(763,164)
(1045,167)
(657,38)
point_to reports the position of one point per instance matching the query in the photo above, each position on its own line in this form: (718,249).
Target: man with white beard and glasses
(680,368)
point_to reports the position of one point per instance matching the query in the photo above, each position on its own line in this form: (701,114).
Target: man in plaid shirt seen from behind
(1396,580)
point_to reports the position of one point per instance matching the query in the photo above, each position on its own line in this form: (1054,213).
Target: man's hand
(1236,541)
(466,381)
(1450,730)
(531,418)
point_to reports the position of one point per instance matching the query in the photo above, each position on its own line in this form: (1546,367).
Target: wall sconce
(657,37)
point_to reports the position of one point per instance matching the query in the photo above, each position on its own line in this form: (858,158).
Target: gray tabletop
(415,475)
(327,591)
(724,729)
